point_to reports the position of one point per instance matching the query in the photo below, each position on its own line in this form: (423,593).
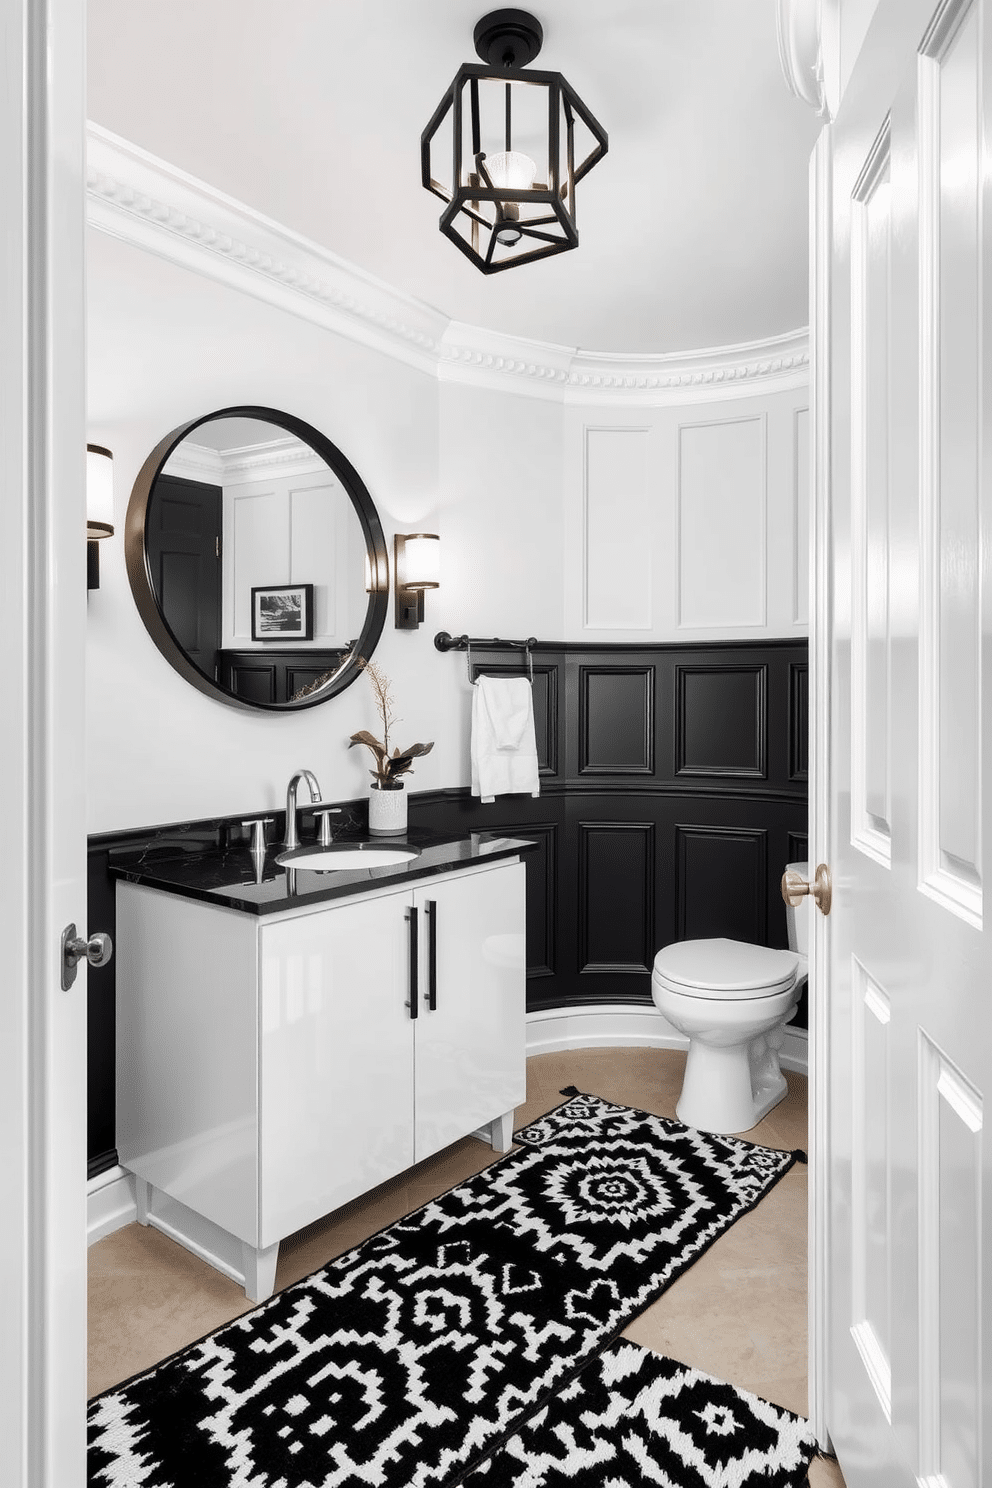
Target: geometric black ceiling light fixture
(510,151)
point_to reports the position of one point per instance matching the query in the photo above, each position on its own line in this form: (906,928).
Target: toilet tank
(798,919)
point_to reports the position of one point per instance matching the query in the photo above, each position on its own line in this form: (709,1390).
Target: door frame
(42,773)
(821,581)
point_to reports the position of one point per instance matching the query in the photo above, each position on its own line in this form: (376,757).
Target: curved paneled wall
(634,505)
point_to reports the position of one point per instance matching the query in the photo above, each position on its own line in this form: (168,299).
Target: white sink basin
(335,859)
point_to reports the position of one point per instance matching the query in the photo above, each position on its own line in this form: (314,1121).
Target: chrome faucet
(292,833)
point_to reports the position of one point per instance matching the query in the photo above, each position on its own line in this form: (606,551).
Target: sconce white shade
(419,561)
(99,492)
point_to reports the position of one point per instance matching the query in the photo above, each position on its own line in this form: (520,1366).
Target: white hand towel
(504,748)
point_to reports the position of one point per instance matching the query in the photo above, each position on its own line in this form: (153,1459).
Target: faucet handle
(258,825)
(323,815)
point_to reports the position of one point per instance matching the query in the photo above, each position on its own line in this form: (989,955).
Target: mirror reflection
(257,553)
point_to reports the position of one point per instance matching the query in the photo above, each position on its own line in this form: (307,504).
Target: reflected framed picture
(282,612)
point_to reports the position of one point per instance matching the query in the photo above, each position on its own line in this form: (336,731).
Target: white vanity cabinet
(272,1067)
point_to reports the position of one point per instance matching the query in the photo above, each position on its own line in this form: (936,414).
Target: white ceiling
(692,229)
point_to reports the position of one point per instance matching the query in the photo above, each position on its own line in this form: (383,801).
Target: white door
(42,770)
(470,1030)
(902,812)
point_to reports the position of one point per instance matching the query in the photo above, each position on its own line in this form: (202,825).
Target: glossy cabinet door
(470,1054)
(336,1063)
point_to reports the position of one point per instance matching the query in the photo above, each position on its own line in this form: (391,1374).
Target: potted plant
(387,797)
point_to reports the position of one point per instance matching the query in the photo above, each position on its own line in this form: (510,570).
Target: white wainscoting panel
(952,248)
(617,516)
(285,531)
(871,650)
(871,1251)
(722,523)
(256,552)
(800,518)
(951,1248)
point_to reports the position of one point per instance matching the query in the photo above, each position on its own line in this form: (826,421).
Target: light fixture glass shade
(99,491)
(512,169)
(421,566)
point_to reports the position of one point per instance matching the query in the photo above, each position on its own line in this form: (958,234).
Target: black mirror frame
(143,589)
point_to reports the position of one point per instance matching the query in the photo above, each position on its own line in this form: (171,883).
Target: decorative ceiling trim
(286,457)
(150,204)
(141,200)
(800,50)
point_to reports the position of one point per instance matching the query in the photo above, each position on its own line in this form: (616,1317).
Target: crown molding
(282,457)
(141,200)
(470,354)
(144,201)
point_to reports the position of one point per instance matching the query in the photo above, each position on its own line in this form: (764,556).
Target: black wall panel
(798,721)
(673,793)
(546,723)
(616,720)
(616,896)
(542,895)
(721,721)
(721,883)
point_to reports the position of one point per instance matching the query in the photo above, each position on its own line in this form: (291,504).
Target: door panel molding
(952,245)
(871,671)
(950,1249)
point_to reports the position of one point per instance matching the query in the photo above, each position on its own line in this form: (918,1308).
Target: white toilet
(732,1000)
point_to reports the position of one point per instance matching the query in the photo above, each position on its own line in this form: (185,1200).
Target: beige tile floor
(738,1312)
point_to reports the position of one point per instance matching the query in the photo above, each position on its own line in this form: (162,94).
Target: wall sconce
(99,507)
(416,568)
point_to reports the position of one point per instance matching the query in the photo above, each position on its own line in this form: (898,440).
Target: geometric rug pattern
(633,1418)
(407,1360)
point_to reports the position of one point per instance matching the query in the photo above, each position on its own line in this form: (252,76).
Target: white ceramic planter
(387,812)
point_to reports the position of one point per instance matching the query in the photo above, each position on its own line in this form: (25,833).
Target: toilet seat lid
(725,968)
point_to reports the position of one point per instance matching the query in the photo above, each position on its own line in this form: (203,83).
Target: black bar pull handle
(414,1003)
(432,955)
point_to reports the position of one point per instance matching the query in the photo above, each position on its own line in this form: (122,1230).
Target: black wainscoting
(275,676)
(673,793)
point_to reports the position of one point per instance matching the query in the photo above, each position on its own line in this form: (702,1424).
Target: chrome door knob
(97,950)
(795,888)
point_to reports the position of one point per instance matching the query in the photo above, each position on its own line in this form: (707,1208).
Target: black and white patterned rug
(632,1418)
(408,1359)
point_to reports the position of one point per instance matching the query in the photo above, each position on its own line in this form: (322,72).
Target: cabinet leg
(501,1132)
(260,1271)
(142,1198)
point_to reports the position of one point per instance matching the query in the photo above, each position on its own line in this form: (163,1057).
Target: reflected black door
(182,540)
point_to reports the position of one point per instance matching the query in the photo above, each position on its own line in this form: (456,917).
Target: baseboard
(629,1025)
(110,1203)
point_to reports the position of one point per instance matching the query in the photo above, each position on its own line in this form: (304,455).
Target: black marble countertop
(233,877)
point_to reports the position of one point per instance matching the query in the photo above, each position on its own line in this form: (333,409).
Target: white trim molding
(629,1026)
(141,200)
(110,1203)
(800,50)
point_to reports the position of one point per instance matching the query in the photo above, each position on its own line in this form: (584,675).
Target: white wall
(501,527)
(605,522)
(166,345)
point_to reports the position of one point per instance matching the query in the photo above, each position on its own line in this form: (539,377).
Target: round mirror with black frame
(256,559)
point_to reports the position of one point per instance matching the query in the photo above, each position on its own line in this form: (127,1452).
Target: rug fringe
(800,1156)
(570,1090)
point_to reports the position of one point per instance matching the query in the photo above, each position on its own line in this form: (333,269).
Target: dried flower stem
(383,699)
